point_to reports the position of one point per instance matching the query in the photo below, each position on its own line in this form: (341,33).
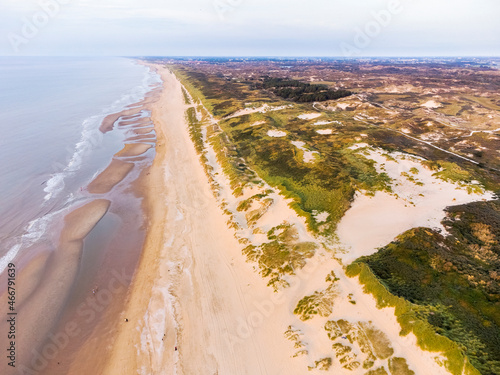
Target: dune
(198,307)
(372,222)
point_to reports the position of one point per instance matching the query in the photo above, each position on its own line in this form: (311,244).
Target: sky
(337,28)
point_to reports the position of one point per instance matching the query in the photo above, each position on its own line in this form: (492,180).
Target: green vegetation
(220,96)
(301,92)
(282,256)
(450,109)
(398,366)
(195,130)
(456,362)
(235,168)
(295,337)
(323,364)
(485,102)
(327,185)
(378,371)
(379,342)
(319,303)
(253,216)
(451,282)
(452,172)
(186,96)
(190,85)
(245,205)
(372,342)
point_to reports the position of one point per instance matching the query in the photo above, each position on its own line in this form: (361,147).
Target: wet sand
(145,130)
(50,279)
(109,121)
(112,175)
(74,286)
(135,149)
(141,121)
(133,111)
(196,306)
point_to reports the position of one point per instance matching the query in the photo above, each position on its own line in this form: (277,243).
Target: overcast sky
(250,27)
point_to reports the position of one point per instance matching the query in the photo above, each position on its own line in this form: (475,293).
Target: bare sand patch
(326,123)
(418,200)
(309,156)
(309,116)
(324,131)
(431,104)
(343,106)
(276,133)
(258,123)
(262,109)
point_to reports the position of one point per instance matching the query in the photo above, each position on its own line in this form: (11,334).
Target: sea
(50,143)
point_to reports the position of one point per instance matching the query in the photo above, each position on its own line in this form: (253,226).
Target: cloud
(290,27)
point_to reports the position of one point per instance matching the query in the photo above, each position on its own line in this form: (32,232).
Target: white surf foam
(91,137)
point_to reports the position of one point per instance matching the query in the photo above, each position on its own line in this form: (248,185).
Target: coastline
(74,285)
(161,266)
(190,302)
(196,304)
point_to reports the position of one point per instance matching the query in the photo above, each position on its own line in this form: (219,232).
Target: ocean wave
(91,137)
(34,232)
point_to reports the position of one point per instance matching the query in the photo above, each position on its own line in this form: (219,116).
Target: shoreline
(122,355)
(95,251)
(197,305)
(124,176)
(191,302)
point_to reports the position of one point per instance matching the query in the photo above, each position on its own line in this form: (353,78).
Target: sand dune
(195,291)
(372,222)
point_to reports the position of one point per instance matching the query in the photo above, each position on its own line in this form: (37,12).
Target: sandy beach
(73,285)
(193,287)
(196,306)
(184,299)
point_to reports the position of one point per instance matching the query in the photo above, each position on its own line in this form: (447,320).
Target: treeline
(301,92)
